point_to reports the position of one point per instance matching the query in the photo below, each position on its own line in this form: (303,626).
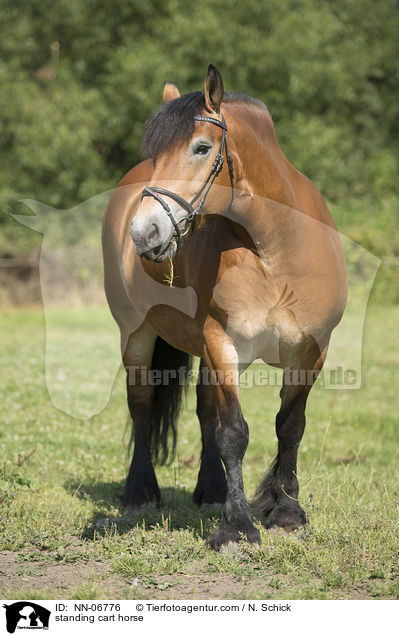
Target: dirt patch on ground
(55,578)
(59,580)
(187,586)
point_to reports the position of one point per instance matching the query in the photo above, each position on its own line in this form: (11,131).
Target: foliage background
(79,79)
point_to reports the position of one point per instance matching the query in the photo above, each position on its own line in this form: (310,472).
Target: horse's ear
(213,90)
(170,91)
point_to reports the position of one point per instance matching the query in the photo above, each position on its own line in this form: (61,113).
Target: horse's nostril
(153,233)
(156,250)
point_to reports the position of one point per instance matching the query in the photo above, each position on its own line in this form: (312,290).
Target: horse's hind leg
(211,483)
(141,484)
(277,495)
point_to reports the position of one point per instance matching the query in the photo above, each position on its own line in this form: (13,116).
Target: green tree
(78,80)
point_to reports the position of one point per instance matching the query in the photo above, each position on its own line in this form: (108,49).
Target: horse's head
(186,140)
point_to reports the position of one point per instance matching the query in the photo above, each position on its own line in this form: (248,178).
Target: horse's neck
(265,225)
(273,202)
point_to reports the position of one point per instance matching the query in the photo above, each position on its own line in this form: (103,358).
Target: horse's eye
(202,149)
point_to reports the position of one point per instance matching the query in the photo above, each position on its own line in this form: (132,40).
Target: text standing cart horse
(216,246)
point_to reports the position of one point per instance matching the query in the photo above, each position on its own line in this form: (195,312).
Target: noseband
(189,206)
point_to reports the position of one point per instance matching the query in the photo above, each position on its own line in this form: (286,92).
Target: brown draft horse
(217,247)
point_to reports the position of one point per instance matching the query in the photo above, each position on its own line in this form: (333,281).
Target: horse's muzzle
(152,237)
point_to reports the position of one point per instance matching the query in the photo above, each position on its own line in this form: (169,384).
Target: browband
(211,120)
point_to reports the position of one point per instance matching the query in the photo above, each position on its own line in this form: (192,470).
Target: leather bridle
(190,207)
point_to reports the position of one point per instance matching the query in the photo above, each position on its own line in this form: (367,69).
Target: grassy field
(59,476)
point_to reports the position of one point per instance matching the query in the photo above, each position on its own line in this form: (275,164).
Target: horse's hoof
(232,533)
(276,530)
(208,508)
(232,547)
(134,511)
(289,519)
(108,523)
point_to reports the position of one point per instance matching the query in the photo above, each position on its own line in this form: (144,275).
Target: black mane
(174,123)
(245,99)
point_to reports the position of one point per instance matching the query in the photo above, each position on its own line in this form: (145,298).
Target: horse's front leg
(231,437)
(277,496)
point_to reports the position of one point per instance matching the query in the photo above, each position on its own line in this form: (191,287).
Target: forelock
(172,124)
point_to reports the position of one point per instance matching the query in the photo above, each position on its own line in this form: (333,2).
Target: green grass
(60,475)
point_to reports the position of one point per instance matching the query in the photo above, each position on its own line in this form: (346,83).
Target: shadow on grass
(176,511)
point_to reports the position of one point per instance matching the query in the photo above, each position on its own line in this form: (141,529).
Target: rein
(189,206)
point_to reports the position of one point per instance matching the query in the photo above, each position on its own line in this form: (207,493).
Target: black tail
(173,365)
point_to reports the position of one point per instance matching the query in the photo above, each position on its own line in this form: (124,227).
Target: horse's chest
(259,315)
